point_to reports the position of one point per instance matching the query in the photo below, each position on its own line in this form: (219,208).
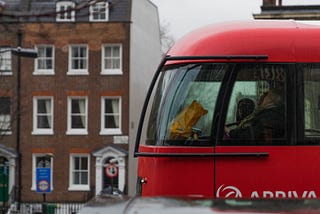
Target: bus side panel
(177,176)
(288,172)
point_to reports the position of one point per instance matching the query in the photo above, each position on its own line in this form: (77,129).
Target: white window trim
(7,132)
(4,120)
(65,3)
(108,131)
(44,71)
(106,5)
(8,73)
(76,187)
(78,71)
(34,168)
(117,71)
(39,131)
(73,131)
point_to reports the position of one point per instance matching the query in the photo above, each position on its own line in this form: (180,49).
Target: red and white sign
(111,170)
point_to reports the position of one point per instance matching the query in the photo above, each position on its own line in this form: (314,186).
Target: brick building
(75,107)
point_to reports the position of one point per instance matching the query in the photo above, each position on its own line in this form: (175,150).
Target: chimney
(269,2)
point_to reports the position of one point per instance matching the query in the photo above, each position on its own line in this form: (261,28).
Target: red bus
(233,111)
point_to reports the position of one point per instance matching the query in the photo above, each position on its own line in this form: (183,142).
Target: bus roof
(281,41)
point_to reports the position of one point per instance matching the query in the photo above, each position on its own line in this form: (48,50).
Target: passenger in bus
(266,122)
(245,107)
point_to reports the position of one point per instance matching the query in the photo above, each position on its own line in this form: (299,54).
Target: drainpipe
(19,36)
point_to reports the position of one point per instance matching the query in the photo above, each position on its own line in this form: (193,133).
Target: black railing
(51,208)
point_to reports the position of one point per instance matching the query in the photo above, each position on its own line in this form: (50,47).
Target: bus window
(184,104)
(311,75)
(262,119)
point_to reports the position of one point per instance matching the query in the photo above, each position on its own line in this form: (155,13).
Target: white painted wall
(145,55)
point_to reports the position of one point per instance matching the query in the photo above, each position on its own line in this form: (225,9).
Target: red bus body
(290,169)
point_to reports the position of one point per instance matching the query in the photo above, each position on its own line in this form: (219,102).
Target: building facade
(275,9)
(74,108)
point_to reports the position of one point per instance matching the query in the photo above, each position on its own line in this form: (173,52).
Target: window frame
(34,169)
(6,56)
(302,96)
(77,131)
(9,130)
(111,71)
(40,71)
(42,131)
(228,90)
(81,71)
(110,131)
(99,5)
(65,5)
(78,187)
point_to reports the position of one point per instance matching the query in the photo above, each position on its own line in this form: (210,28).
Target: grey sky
(182,16)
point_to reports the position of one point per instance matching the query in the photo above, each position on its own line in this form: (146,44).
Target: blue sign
(43,180)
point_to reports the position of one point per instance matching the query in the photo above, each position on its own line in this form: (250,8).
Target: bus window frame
(260,57)
(291,109)
(302,140)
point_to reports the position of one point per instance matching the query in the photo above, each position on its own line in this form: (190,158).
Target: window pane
(44,113)
(41,52)
(178,88)
(5,114)
(5,65)
(108,51)
(312,100)
(44,106)
(44,122)
(69,12)
(75,106)
(76,163)
(78,113)
(84,178)
(45,57)
(257,107)
(84,163)
(83,52)
(116,52)
(108,64)
(77,122)
(42,161)
(76,178)
(116,63)
(5,105)
(112,113)
(48,63)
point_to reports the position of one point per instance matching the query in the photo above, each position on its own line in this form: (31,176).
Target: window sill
(73,73)
(43,72)
(5,132)
(77,132)
(110,132)
(42,132)
(65,20)
(6,73)
(99,20)
(111,72)
(79,188)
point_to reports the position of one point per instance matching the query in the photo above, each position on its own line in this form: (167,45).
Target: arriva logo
(233,192)
(228,192)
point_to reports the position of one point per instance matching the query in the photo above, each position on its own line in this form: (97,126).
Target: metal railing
(51,208)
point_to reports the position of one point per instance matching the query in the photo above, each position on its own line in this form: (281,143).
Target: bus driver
(266,122)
